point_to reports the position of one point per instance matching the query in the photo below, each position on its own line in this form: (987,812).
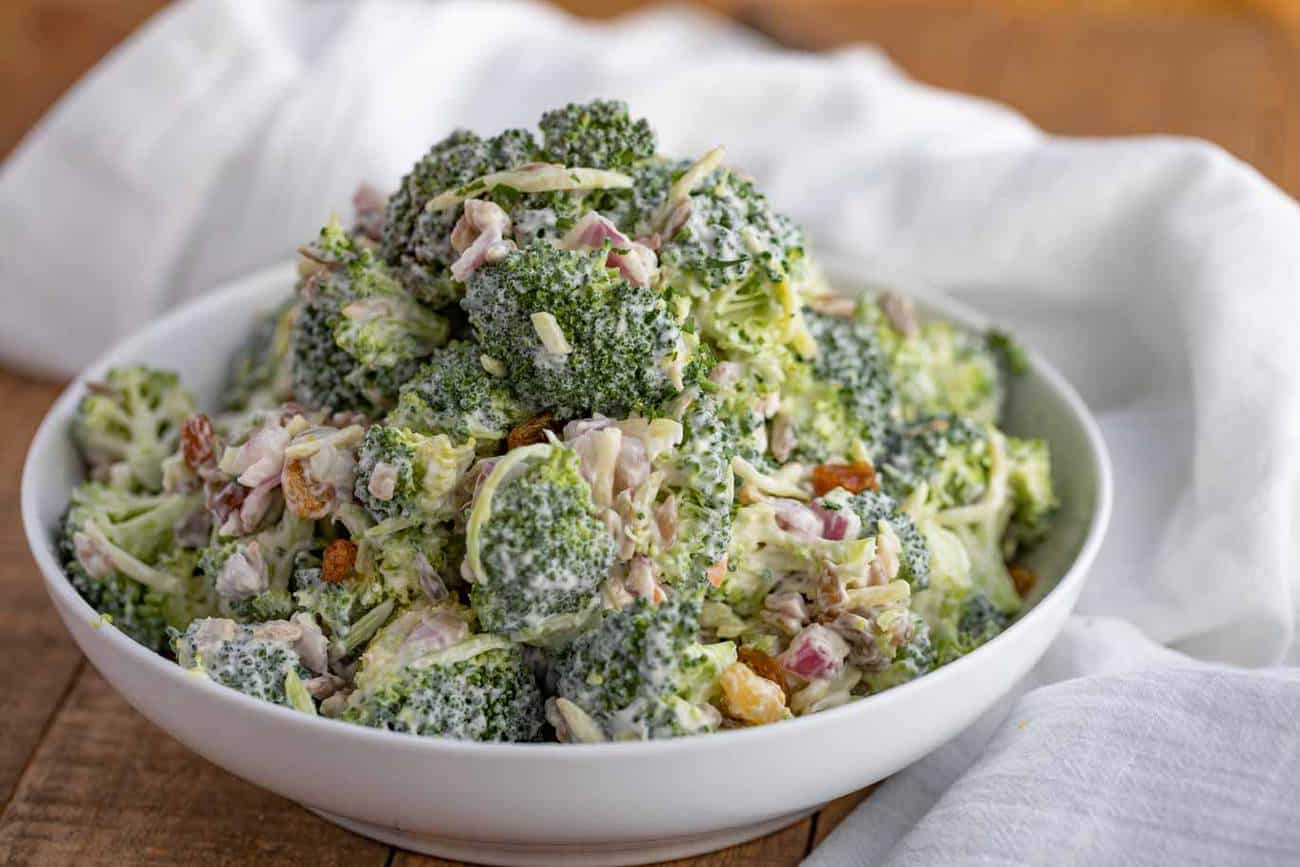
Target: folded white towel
(1160,275)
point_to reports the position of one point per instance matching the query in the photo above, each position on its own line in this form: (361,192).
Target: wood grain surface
(86,780)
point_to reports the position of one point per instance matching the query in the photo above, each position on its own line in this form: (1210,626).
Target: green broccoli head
(408,476)
(255,660)
(740,261)
(599,135)
(873,509)
(351,610)
(262,377)
(535,545)
(913,659)
(1032,494)
(121,552)
(942,368)
(641,674)
(129,422)
(572,334)
(417,241)
(713,433)
(423,677)
(407,559)
(251,575)
(951,455)
(840,401)
(963,622)
(358,335)
(453,394)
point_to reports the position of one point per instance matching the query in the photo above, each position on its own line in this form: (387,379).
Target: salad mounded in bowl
(565,439)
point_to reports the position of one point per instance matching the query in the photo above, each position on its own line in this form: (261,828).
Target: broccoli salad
(564,440)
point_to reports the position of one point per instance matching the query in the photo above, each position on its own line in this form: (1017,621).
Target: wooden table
(85,780)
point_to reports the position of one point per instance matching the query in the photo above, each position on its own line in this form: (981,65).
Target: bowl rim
(253,287)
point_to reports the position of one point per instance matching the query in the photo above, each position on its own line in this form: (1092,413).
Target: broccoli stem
(365,627)
(296,693)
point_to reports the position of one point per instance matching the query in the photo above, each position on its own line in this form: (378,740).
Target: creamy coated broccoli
(565,439)
(538,550)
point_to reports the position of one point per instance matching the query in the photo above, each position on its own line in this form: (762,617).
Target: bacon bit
(198,441)
(765,667)
(717,572)
(854,478)
(307,498)
(1024,579)
(339,561)
(530,432)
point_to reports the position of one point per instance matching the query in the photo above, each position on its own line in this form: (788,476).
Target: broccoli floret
(256,660)
(712,435)
(408,476)
(571,334)
(262,377)
(268,605)
(1032,494)
(961,623)
(1011,354)
(478,689)
(455,395)
(912,659)
(406,558)
(142,613)
(640,673)
(417,241)
(872,508)
(358,335)
(599,135)
(536,547)
(949,454)
(128,423)
(942,368)
(741,262)
(634,208)
(121,553)
(979,479)
(842,396)
(251,574)
(350,611)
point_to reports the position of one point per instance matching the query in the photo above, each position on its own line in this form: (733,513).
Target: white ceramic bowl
(548,803)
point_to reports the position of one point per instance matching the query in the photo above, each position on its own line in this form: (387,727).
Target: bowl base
(561,854)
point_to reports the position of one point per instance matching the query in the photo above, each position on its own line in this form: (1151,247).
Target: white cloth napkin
(1158,274)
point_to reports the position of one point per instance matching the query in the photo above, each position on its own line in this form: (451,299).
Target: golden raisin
(304,497)
(1024,579)
(530,432)
(854,478)
(751,698)
(764,666)
(198,441)
(339,561)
